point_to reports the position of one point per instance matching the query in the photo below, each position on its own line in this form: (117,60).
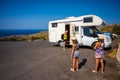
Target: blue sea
(4,33)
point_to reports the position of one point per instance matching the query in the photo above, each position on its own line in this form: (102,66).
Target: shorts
(76,54)
(64,40)
(99,55)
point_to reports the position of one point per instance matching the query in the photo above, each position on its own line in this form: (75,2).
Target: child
(75,54)
(99,55)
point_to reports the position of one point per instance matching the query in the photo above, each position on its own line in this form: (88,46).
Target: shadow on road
(82,63)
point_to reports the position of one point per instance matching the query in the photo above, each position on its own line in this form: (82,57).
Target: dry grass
(113,53)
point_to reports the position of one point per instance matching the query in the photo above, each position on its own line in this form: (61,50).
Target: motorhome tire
(60,43)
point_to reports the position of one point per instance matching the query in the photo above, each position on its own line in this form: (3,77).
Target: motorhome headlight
(107,39)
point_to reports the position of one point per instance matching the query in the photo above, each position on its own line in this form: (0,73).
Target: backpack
(62,36)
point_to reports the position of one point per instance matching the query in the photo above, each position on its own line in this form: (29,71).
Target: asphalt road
(40,60)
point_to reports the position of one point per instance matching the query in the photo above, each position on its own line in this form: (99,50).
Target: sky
(35,14)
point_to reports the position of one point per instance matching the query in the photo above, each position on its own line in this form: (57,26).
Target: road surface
(40,60)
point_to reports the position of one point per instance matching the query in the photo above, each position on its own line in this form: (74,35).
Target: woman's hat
(101,37)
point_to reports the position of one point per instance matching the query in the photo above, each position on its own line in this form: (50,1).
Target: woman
(99,55)
(75,54)
(65,40)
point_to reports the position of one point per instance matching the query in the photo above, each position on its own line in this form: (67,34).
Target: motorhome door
(67,28)
(87,36)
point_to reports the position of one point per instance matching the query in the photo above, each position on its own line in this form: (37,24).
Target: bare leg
(64,45)
(102,65)
(73,64)
(96,65)
(77,63)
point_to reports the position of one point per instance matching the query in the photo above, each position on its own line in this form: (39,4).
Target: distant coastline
(26,35)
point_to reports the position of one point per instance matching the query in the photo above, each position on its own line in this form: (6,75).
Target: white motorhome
(83,27)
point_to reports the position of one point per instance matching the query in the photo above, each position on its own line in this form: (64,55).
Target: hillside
(114,28)
(31,37)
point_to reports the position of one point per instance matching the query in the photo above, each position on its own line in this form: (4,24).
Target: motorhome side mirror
(95,34)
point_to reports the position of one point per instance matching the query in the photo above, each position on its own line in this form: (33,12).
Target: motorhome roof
(78,19)
(72,18)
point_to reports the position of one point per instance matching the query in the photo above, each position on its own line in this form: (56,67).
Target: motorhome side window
(76,28)
(88,19)
(54,24)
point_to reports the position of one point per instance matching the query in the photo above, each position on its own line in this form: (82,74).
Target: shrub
(116,29)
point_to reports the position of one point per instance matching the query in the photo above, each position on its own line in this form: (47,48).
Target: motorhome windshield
(91,31)
(96,30)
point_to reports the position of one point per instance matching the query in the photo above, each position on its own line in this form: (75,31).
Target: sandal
(76,69)
(94,71)
(72,69)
